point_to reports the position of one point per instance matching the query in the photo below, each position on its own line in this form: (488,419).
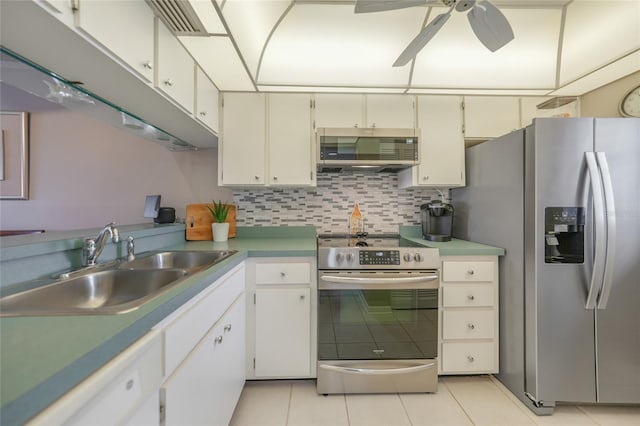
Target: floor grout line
(457,401)
(286,421)
(406,412)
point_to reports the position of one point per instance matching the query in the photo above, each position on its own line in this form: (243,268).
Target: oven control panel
(379,257)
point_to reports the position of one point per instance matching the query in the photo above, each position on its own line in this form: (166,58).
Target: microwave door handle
(598,214)
(611,229)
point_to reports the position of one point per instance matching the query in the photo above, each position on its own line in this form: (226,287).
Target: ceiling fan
(487,22)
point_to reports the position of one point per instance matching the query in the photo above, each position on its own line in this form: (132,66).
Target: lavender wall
(329,205)
(85,174)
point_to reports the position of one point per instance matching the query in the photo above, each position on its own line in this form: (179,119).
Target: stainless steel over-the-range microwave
(367,149)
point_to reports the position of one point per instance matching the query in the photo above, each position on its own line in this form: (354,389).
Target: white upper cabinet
(290,140)
(243,142)
(390,111)
(487,117)
(206,100)
(386,111)
(176,69)
(441,144)
(132,42)
(339,110)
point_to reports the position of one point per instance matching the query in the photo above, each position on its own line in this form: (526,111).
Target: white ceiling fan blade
(422,39)
(490,25)
(367,6)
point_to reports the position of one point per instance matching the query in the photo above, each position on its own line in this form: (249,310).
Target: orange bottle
(355,224)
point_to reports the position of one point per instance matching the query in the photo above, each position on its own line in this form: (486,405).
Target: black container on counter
(165,215)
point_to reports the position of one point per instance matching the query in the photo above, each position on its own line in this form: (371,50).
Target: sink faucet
(131,249)
(92,247)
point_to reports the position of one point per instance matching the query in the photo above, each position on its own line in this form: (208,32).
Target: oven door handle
(365,283)
(377,371)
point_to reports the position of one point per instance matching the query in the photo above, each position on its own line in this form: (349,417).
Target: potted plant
(219,227)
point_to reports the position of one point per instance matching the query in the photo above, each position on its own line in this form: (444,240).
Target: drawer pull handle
(471,297)
(218,339)
(227,327)
(470,272)
(470,358)
(168,82)
(471,326)
(129,384)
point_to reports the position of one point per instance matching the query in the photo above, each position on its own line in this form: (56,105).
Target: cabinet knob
(355,125)
(257,177)
(425,178)
(302,297)
(203,113)
(470,358)
(373,125)
(227,327)
(471,297)
(168,82)
(470,272)
(471,326)
(148,65)
(129,384)
(282,274)
(275,178)
(218,339)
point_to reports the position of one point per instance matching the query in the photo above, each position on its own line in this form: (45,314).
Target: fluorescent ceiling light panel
(455,58)
(330,45)
(208,16)
(620,68)
(218,59)
(496,92)
(251,22)
(597,33)
(328,89)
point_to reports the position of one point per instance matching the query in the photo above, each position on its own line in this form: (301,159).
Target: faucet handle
(115,234)
(131,248)
(89,251)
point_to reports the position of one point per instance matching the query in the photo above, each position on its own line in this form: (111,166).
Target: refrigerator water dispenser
(564,235)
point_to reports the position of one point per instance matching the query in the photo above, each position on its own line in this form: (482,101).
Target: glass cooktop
(373,240)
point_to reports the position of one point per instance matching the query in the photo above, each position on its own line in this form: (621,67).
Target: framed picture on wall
(14,156)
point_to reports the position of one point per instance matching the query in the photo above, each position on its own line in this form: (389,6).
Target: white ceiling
(561,47)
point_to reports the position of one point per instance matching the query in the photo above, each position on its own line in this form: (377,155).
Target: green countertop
(44,357)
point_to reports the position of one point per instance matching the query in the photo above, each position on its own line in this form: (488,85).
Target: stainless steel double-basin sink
(113,288)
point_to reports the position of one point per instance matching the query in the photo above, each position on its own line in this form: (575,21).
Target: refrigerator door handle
(611,229)
(600,247)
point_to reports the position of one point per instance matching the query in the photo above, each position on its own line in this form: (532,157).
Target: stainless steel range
(377,315)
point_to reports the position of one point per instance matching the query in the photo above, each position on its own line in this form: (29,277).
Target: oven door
(377,331)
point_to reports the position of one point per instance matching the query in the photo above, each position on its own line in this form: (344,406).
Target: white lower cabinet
(205,388)
(469,315)
(117,393)
(281,318)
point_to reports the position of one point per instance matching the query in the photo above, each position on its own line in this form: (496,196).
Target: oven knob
(407,257)
(349,257)
(418,257)
(339,257)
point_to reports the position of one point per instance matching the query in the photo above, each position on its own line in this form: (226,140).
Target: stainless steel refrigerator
(562,196)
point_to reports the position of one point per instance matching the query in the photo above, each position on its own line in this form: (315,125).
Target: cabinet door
(207,386)
(441,144)
(176,69)
(339,110)
(130,40)
(488,117)
(390,111)
(283,332)
(290,142)
(243,139)
(206,100)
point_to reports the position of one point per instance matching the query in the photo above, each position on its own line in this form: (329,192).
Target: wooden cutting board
(199,221)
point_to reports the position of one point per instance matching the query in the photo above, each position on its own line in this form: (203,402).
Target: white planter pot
(220,231)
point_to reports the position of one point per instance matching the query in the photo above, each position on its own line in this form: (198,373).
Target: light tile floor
(460,400)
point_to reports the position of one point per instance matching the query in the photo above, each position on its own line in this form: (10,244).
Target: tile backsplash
(328,206)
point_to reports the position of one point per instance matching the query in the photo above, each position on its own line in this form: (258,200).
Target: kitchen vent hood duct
(178,16)
(376,150)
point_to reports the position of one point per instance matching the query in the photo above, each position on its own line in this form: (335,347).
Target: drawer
(468,271)
(477,324)
(182,335)
(283,273)
(461,295)
(469,357)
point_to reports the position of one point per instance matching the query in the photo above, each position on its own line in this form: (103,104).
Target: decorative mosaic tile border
(328,206)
